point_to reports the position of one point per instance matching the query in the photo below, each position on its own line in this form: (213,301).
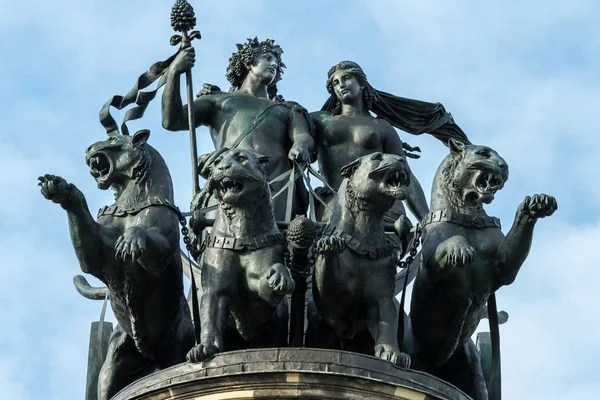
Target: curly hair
(241,61)
(355,70)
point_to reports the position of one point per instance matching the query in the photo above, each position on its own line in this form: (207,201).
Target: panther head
(116,161)
(238,176)
(473,174)
(377,179)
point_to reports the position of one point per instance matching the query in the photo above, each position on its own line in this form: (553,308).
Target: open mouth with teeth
(229,186)
(395,182)
(100,169)
(396,179)
(487,184)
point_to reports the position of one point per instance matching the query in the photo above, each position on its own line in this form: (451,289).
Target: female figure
(345,129)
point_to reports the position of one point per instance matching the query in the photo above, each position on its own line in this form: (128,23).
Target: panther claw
(200,353)
(331,246)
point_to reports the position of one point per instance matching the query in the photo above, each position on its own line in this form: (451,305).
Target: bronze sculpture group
(256,181)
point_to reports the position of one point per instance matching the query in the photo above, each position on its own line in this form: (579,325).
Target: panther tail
(88,291)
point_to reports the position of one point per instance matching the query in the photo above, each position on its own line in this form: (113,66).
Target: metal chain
(312,258)
(413,250)
(191,246)
(287,258)
(193,254)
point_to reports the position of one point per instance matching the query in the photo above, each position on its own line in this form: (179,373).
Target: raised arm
(417,204)
(515,247)
(174,112)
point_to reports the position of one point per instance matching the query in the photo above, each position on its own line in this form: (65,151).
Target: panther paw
(201,352)
(131,245)
(331,246)
(56,189)
(393,355)
(455,252)
(280,280)
(538,206)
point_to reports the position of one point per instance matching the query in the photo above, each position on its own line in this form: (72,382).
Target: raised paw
(393,355)
(201,352)
(131,245)
(538,206)
(280,280)
(331,246)
(56,189)
(455,252)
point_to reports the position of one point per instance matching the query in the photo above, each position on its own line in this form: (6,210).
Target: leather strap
(252,128)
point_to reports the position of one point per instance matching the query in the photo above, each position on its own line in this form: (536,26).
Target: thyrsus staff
(183,19)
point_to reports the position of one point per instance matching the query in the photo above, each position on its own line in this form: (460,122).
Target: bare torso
(234,114)
(342,139)
(230,115)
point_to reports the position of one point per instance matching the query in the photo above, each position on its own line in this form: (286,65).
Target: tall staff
(183,19)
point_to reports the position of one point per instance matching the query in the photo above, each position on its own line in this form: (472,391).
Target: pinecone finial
(183,18)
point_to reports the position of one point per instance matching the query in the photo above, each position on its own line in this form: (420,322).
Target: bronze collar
(357,246)
(466,220)
(117,211)
(237,244)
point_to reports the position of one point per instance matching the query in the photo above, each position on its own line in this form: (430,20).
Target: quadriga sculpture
(465,259)
(133,247)
(353,285)
(244,278)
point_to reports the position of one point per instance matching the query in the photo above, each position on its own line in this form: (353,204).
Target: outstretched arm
(515,247)
(91,242)
(174,113)
(417,204)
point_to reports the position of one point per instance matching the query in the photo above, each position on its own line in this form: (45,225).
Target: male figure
(248,116)
(345,129)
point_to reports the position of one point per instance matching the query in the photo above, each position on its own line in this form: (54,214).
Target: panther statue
(133,247)
(465,259)
(243,276)
(353,281)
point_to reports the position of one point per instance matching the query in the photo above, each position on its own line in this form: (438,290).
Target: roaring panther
(244,278)
(465,259)
(353,280)
(133,247)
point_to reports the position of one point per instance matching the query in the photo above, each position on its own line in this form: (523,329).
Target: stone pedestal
(290,373)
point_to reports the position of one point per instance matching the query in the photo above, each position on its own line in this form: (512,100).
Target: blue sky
(519,76)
